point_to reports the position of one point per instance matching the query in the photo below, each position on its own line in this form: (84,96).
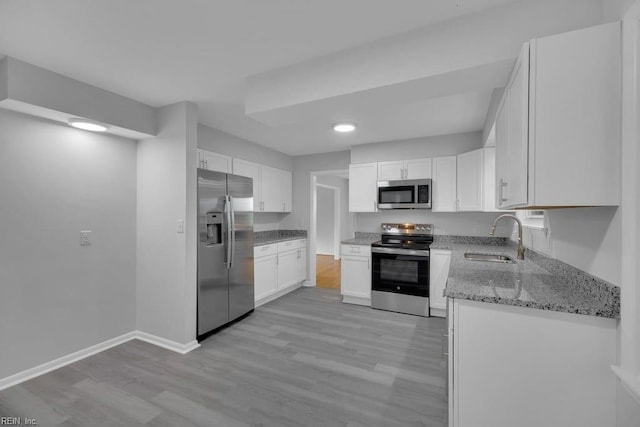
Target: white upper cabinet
(558,130)
(489,179)
(391,171)
(214,161)
(251,170)
(443,197)
(476,180)
(418,169)
(404,169)
(363,187)
(286,180)
(272,188)
(276,190)
(470,180)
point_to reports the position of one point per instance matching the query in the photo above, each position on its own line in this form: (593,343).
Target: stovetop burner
(406,236)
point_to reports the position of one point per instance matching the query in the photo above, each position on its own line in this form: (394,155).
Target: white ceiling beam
(469,53)
(33,90)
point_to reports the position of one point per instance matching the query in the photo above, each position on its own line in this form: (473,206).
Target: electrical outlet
(85,238)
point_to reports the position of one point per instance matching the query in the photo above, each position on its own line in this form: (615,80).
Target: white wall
(166,285)
(326,221)
(58,297)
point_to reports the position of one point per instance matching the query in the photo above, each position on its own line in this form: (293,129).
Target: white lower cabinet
(278,269)
(265,271)
(355,278)
(302,264)
(515,366)
(287,269)
(439,262)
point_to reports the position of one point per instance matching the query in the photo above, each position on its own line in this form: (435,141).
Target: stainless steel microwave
(405,194)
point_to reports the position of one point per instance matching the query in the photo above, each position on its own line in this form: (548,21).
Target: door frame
(336,217)
(313,219)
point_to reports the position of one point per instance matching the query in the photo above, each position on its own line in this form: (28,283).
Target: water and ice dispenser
(214,229)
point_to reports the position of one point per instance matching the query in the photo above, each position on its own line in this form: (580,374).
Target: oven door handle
(414,252)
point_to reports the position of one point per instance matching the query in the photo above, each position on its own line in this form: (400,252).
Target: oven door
(400,271)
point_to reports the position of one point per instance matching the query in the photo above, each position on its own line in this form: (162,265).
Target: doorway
(330,223)
(327,235)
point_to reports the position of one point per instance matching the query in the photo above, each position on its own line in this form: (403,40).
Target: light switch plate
(180,226)
(85,238)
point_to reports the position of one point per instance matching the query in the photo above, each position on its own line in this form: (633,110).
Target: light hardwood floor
(305,359)
(327,272)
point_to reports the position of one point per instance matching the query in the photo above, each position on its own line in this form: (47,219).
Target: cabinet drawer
(291,244)
(361,250)
(265,250)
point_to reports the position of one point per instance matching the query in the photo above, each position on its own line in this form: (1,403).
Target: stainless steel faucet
(520,246)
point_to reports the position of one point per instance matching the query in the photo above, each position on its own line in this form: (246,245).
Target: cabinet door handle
(206,164)
(501,187)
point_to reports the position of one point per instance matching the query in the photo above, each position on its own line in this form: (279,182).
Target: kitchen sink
(504,259)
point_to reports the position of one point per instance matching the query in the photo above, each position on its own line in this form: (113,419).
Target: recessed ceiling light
(344,127)
(87,125)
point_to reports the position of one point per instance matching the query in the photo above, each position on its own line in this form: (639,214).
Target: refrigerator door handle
(227,217)
(232,226)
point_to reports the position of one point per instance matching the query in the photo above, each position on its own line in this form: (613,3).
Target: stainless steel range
(400,276)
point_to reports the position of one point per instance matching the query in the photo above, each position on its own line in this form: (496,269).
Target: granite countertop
(536,282)
(361,238)
(274,236)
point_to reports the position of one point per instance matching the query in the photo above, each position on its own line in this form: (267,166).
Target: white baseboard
(308,284)
(349,299)
(168,344)
(438,312)
(36,371)
(278,294)
(52,365)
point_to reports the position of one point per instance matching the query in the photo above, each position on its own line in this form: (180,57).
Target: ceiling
(165,51)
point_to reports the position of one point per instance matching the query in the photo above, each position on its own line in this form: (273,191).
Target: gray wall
(434,146)
(326,221)
(59,297)
(166,267)
(302,168)
(221,142)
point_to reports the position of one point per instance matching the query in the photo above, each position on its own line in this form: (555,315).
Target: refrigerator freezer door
(241,291)
(213,275)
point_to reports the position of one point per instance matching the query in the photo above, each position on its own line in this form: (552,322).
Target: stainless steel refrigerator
(225,249)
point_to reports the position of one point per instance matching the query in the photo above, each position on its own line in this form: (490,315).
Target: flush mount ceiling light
(87,125)
(344,127)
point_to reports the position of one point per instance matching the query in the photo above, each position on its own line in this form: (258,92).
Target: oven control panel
(406,228)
